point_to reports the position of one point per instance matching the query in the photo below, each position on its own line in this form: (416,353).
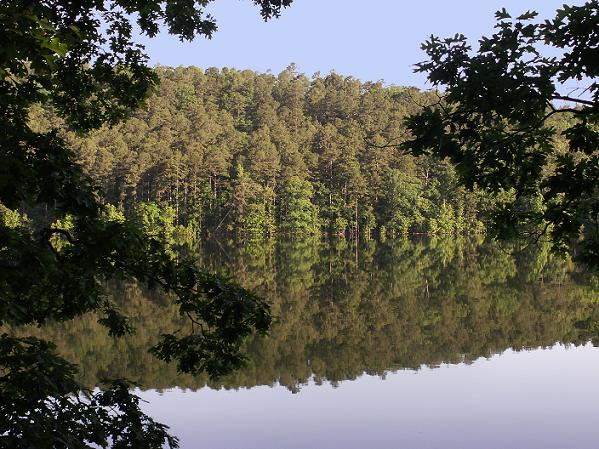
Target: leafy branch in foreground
(41,404)
(496,122)
(80,58)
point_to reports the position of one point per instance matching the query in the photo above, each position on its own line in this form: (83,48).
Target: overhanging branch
(575,100)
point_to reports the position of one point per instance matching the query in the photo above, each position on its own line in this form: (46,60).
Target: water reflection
(342,311)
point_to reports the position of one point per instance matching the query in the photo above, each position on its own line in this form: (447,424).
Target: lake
(449,343)
(531,399)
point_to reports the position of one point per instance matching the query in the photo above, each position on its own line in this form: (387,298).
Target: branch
(49,232)
(194,322)
(389,144)
(574,100)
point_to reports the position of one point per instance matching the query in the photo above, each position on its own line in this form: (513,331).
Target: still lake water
(405,344)
(535,399)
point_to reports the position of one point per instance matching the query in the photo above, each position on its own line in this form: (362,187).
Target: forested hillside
(257,154)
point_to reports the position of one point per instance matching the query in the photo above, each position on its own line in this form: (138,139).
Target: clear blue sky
(368,39)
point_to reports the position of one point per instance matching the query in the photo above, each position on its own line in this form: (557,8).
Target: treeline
(342,310)
(256,154)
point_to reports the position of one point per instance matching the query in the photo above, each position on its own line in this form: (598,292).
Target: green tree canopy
(496,119)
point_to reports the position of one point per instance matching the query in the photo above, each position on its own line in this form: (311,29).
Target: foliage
(298,214)
(254,154)
(79,58)
(11,218)
(504,123)
(155,221)
(43,406)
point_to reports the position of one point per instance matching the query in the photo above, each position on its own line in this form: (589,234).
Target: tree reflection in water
(343,310)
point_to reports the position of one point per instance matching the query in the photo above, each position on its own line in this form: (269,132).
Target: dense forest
(254,154)
(343,309)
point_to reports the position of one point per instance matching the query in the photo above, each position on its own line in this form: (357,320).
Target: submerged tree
(80,58)
(496,121)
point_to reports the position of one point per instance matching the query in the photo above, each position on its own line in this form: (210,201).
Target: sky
(369,39)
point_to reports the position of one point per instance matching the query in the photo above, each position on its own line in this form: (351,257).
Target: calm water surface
(406,344)
(546,398)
